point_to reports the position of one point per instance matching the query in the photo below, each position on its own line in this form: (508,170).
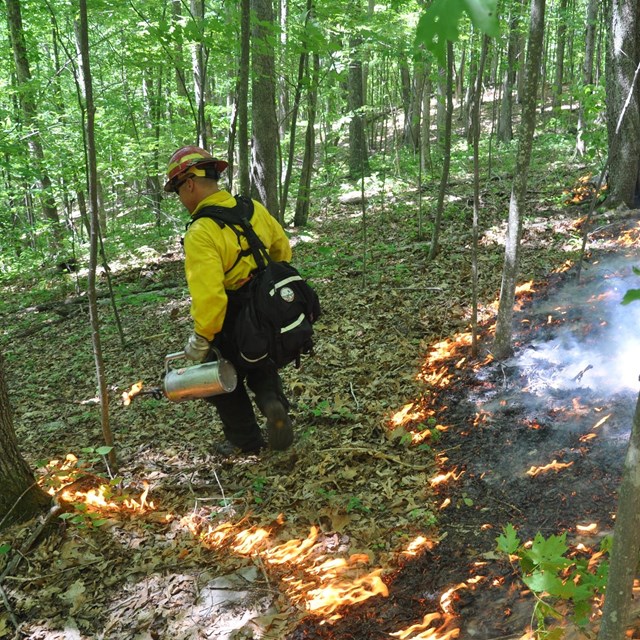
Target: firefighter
(215,273)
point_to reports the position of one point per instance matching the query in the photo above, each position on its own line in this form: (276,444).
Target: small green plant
(82,517)
(425,516)
(355,504)
(554,576)
(324,409)
(258,487)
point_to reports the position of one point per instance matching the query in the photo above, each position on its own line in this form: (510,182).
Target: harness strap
(238,215)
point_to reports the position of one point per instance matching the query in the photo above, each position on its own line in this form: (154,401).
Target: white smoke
(591,339)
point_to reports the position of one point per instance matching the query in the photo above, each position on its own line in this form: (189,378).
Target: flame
(601,421)
(417,545)
(97,499)
(318,583)
(629,238)
(424,630)
(127,396)
(587,528)
(443,477)
(446,599)
(293,549)
(326,600)
(407,414)
(552,466)
(526,287)
(247,541)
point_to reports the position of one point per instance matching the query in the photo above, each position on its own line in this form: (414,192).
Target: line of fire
(537,421)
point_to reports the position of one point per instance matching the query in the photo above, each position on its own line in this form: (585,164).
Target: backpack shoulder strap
(238,215)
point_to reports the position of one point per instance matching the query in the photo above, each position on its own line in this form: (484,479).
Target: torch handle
(173,356)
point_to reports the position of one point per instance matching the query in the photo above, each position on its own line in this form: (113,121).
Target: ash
(573,383)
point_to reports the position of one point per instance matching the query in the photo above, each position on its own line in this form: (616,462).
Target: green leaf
(4,548)
(437,24)
(484,15)
(543,581)
(549,553)
(508,542)
(103,451)
(631,296)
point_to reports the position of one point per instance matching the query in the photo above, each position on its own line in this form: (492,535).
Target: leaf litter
(357,486)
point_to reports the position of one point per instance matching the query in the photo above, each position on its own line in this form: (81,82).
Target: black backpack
(275,322)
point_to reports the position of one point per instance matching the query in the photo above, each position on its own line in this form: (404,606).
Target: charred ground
(352,472)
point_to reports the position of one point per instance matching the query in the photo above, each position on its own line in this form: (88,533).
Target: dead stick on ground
(579,376)
(7,606)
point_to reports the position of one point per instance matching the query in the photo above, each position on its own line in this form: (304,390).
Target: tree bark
(243,97)
(83,32)
(444,179)
(622,59)
(358,153)
(505,118)
(587,69)
(199,65)
(304,189)
(302,65)
(475,134)
(502,343)
(264,164)
(561,38)
(21,498)
(626,543)
(28,102)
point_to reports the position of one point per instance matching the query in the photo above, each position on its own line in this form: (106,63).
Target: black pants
(235,409)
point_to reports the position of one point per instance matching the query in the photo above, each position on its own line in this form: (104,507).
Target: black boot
(279,427)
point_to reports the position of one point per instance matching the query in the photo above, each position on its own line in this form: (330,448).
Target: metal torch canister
(200,380)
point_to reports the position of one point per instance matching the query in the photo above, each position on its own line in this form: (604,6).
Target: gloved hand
(196,348)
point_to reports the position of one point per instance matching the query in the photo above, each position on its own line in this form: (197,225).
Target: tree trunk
(622,59)
(587,69)
(414,112)
(302,65)
(358,153)
(243,98)
(21,498)
(199,66)
(178,55)
(626,543)
(505,118)
(283,102)
(425,127)
(83,32)
(475,134)
(304,189)
(264,165)
(28,102)
(444,179)
(502,343)
(561,37)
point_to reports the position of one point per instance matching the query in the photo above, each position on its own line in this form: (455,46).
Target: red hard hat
(187,158)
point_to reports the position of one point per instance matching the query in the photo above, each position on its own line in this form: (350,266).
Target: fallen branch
(47,323)
(19,555)
(579,376)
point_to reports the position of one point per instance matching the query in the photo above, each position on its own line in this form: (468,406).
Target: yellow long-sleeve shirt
(211,250)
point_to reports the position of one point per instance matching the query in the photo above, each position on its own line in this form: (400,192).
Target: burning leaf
(552,466)
(127,396)
(587,528)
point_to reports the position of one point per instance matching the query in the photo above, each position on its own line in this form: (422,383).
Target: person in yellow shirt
(216,268)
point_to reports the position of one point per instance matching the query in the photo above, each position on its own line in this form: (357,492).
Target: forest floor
(410,454)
